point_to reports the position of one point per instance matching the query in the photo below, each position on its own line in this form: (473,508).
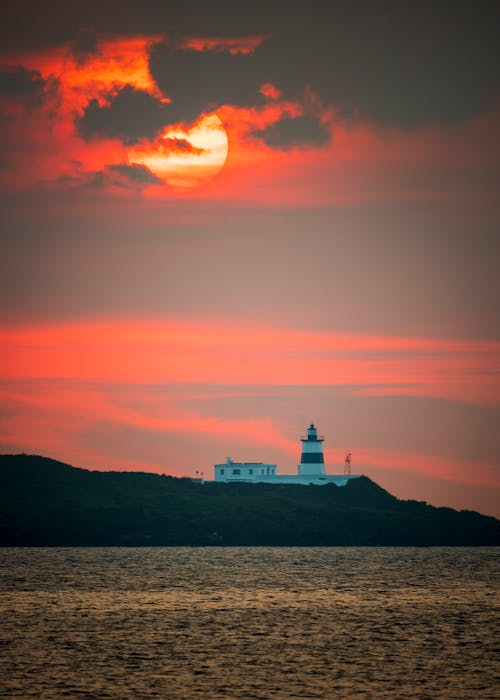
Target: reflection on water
(249,623)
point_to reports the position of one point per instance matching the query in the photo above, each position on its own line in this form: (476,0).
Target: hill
(44,503)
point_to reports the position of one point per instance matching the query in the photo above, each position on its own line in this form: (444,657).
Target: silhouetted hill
(45,502)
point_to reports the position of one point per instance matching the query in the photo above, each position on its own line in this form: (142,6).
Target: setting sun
(186,158)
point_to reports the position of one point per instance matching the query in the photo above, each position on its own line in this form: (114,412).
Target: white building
(311,469)
(243,471)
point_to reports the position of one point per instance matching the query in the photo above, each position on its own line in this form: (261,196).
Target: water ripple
(270,623)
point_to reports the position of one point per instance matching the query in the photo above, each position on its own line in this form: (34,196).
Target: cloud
(130,115)
(23,85)
(383,63)
(115,175)
(84,46)
(87,180)
(173,145)
(198,81)
(402,64)
(299,131)
(134,174)
(188,352)
(270,91)
(118,103)
(234,45)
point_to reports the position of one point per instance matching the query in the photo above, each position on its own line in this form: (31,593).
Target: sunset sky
(224,221)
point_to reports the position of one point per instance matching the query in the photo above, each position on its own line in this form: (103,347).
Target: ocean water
(249,623)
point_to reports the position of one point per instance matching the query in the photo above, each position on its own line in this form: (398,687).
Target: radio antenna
(347,462)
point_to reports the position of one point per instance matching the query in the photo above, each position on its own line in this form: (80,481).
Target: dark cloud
(197,81)
(134,174)
(403,64)
(122,175)
(23,85)
(301,131)
(131,115)
(84,45)
(395,63)
(95,180)
(81,180)
(181,146)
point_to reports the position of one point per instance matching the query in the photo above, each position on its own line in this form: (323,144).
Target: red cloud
(362,163)
(181,352)
(116,61)
(233,45)
(359,164)
(270,91)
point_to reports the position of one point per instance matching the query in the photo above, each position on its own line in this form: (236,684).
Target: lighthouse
(311,469)
(312,461)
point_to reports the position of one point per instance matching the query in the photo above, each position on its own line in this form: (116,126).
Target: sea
(249,622)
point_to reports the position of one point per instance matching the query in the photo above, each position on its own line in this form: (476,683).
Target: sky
(224,221)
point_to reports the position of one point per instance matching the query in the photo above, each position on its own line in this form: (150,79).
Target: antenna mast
(347,462)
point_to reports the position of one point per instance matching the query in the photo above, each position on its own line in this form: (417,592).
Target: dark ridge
(47,503)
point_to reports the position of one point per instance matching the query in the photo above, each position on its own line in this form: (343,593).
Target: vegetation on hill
(45,502)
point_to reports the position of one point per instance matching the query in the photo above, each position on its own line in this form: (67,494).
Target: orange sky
(72,375)
(182,278)
(362,162)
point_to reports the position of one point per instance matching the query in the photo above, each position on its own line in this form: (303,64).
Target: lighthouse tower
(312,461)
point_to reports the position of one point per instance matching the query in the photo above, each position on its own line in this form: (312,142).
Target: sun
(185,158)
